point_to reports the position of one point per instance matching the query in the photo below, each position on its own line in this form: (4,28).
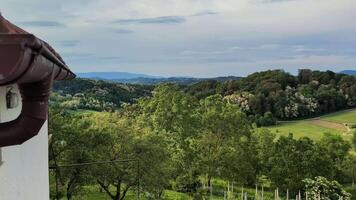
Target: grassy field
(315,128)
(301,129)
(348,116)
(219,186)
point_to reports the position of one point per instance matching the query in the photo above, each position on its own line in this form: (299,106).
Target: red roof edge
(9,28)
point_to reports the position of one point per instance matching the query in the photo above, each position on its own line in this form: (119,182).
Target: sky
(201,38)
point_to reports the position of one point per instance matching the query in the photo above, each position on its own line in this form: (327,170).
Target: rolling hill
(113,75)
(144,79)
(349,72)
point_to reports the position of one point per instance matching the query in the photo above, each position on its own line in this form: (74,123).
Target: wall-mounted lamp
(1,162)
(12,99)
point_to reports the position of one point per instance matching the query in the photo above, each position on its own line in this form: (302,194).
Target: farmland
(348,116)
(315,128)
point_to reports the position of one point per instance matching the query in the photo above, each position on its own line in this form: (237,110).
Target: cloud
(42,23)
(68,43)
(123,31)
(204,13)
(268,47)
(192,37)
(109,57)
(270,1)
(302,48)
(154,20)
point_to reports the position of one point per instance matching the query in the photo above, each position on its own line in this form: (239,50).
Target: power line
(91,163)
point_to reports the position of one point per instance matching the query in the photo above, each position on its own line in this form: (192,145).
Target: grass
(348,116)
(219,186)
(304,128)
(351,190)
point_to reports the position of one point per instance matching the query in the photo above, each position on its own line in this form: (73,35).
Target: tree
(264,145)
(295,160)
(325,189)
(72,143)
(349,168)
(145,161)
(173,114)
(336,146)
(305,76)
(223,126)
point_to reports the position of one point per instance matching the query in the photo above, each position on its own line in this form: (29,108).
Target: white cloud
(215,31)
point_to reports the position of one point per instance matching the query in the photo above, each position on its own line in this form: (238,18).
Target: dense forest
(96,95)
(271,95)
(264,96)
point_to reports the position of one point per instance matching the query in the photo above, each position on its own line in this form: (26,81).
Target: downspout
(33,114)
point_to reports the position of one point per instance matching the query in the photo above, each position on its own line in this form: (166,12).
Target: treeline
(265,97)
(183,143)
(276,95)
(96,95)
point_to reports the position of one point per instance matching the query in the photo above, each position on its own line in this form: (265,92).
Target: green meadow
(314,129)
(348,116)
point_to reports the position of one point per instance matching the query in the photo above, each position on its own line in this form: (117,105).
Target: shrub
(266,120)
(328,190)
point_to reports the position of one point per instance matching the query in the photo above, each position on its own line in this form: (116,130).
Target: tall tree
(223,126)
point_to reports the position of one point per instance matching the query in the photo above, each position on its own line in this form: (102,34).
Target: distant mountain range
(113,75)
(144,79)
(349,72)
(132,78)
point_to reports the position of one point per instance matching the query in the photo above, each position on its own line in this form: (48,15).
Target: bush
(352,126)
(266,120)
(328,190)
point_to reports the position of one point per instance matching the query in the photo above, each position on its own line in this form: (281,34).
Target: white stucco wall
(24,172)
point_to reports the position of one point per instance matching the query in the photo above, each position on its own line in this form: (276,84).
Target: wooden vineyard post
(232,190)
(242,193)
(277,192)
(306,195)
(256,193)
(299,196)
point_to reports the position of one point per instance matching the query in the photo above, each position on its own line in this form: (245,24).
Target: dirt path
(328,124)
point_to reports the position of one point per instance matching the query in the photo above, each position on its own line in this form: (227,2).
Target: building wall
(24,171)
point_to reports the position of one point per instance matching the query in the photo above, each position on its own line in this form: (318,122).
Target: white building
(28,66)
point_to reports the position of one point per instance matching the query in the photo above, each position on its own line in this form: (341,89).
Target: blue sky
(202,38)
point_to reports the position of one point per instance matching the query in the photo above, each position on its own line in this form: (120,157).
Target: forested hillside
(271,95)
(172,141)
(264,96)
(96,95)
